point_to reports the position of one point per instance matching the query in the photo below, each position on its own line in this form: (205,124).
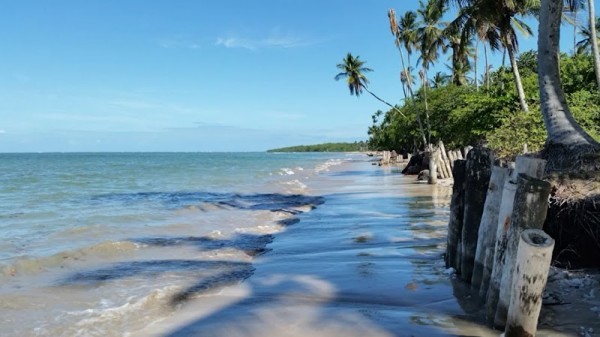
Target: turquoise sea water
(69,222)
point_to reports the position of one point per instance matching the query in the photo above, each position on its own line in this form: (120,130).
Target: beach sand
(367,262)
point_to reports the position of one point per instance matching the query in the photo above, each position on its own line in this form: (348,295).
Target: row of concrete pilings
(495,237)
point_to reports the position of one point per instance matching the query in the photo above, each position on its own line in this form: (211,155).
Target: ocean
(104,244)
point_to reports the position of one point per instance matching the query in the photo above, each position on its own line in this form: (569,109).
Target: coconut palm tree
(474,20)
(439,80)
(404,34)
(353,70)
(502,16)
(570,13)
(430,40)
(460,62)
(567,142)
(408,32)
(585,45)
(594,38)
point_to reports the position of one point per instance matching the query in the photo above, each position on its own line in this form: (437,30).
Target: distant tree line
(326,147)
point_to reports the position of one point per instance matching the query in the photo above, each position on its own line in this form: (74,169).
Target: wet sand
(367,262)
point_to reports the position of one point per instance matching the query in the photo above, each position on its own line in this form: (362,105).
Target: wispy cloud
(274,40)
(2,131)
(178,42)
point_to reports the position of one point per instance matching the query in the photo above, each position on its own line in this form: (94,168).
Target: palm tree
(408,32)
(567,142)
(501,15)
(570,13)
(439,79)
(460,62)
(585,44)
(430,39)
(474,19)
(594,38)
(353,70)
(404,34)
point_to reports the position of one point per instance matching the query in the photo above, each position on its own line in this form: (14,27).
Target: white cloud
(275,40)
(234,42)
(178,42)
(2,131)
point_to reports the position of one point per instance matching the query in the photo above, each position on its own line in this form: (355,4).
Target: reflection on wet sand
(367,262)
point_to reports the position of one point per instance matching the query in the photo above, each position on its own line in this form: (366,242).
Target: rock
(449,271)
(413,170)
(423,175)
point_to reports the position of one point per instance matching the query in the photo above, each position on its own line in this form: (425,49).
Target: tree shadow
(214,274)
(274,202)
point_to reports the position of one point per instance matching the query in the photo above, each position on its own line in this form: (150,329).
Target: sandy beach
(368,262)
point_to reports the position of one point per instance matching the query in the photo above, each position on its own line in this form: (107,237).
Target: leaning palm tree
(353,70)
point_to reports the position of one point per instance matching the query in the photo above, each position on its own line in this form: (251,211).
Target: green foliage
(518,129)
(326,147)
(461,115)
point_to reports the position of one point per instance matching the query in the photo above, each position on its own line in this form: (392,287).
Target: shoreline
(367,262)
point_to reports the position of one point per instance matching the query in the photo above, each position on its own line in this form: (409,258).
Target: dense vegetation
(501,107)
(327,147)
(461,115)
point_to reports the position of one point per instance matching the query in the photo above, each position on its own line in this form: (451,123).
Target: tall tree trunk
(518,83)
(575,29)
(475,63)
(412,95)
(487,68)
(592,19)
(562,128)
(384,102)
(455,60)
(425,85)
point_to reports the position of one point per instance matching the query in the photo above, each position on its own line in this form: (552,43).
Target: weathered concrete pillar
(455,223)
(433,169)
(451,158)
(529,212)
(533,262)
(477,179)
(446,168)
(445,158)
(531,167)
(484,254)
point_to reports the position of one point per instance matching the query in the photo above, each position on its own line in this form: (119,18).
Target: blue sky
(183,75)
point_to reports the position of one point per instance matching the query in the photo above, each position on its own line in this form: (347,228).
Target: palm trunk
(575,29)
(424,80)
(595,52)
(455,60)
(487,68)
(384,102)
(412,96)
(475,62)
(561,126)
(518,83)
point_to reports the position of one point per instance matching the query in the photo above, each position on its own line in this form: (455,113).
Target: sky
(184,75)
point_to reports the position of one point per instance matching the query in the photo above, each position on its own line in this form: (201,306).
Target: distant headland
(326,147)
